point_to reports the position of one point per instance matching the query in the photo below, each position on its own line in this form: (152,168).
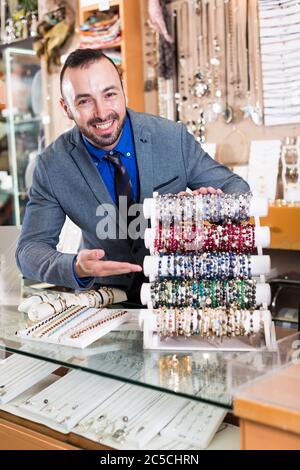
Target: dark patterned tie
(123,185)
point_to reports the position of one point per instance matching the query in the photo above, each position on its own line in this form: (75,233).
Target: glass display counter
(199,388)
(187,389)
(196,375)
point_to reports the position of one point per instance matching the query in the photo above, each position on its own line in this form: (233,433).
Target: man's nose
(101,109)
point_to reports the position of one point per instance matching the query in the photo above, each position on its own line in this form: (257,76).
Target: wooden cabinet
(284,223)
(269,411)
(130,45)
(16,437)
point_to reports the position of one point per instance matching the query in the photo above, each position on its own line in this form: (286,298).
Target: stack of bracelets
(209,265)
(72,322)
(203,237)
(214,208)
(204,284)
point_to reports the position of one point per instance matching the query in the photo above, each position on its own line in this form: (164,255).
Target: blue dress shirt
(126,149)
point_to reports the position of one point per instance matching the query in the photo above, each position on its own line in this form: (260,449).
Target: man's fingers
(89,255)
(211,190)
(116,265)
(112,268)
(208,190)
(200,191)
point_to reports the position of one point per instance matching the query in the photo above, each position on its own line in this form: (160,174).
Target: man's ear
(65,108)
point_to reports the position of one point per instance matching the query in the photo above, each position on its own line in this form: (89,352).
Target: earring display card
(63,404)
(196,424)
(13,406)
(18,373)
(76,326)
(130,417)
(226,438)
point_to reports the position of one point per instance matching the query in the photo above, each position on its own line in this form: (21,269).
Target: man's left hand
(209,190)
(202,190)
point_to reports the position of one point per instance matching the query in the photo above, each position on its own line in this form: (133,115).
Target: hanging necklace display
(210,81)
(213,61)
(228,111)
(242,31)
(180,64)
(183,60)
(247,110)
(256,114)
(200,86)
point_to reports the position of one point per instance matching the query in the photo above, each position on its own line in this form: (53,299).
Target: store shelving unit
(130,44)
(22,118)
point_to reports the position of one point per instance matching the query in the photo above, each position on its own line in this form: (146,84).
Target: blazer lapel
(144,156)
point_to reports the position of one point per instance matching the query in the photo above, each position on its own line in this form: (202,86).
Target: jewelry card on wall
(279,44)
(263,167)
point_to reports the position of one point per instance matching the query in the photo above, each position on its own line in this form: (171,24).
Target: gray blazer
(66,182)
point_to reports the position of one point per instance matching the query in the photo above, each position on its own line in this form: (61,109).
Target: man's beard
(105,140)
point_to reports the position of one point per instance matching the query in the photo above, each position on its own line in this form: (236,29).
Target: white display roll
(258,207)
(38,312)
(145,294)
(259,265)
(263,294)
(29,302)
(256,318)
(262,237)
(149,238)
(148,207)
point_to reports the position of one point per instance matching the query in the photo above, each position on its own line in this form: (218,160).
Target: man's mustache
(95,121)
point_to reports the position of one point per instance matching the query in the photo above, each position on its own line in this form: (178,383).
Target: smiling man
(111,153)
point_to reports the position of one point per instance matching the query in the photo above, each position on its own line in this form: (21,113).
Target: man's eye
(80,102)
(110,95)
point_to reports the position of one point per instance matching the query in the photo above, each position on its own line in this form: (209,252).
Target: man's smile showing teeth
(104,126)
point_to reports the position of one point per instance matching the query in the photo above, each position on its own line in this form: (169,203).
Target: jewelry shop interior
(182,334)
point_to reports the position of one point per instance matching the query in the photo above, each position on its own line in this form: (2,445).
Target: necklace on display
(228,111)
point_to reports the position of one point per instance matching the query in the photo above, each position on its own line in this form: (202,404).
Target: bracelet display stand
(259,265)
(260,320)
(258,208)
(262,238)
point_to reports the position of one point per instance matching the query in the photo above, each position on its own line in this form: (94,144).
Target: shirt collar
(125,145)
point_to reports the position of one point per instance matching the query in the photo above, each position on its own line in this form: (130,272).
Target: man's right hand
(89,263)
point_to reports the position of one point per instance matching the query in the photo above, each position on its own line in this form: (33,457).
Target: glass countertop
(197,375)
(210,376)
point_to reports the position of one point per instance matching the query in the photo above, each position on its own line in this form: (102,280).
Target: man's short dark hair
(81,58)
